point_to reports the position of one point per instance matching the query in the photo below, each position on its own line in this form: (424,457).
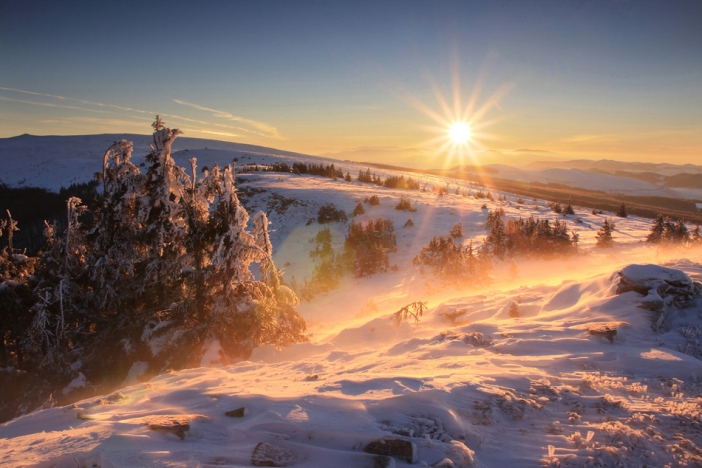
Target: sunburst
(461,128)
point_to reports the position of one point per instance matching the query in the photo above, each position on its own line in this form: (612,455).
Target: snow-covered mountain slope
(575,377)
(526,371)
(592,181)
(58,161)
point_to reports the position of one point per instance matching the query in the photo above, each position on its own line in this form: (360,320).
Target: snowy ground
(472,383)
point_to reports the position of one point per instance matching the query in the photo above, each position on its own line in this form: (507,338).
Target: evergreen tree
(622,211)
(604,236)
(658,229)
(457,230)
(569,209)
(496,239)
(696,237)
(359,210)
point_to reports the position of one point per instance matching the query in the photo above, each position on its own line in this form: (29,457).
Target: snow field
(472,384)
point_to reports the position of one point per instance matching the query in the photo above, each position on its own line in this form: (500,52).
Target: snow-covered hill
(576,377)
(582,178)
(58,161)
(553,363)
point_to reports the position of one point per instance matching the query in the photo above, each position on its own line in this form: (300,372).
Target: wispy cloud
(48,104)
(245,126)
(219,133)
(64,98)
(262,128)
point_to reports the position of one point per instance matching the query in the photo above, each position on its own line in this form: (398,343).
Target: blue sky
(591,79)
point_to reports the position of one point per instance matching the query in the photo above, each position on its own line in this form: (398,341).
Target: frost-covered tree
(161,212)
(115,249)
(268,271)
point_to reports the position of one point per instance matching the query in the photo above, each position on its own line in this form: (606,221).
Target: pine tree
(622,211)
(658,229)
(696,237)
(457,230)
(496,239)
(569,209)
(604,236)
(359,210)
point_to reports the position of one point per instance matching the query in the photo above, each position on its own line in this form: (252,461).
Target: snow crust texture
(537,390)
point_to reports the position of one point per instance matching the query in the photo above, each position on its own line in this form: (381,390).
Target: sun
(459,132)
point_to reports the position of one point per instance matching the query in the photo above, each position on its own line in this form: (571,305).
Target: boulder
(643,278)
(659,284)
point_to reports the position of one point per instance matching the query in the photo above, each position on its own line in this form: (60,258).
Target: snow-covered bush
(164,268)
(368,245)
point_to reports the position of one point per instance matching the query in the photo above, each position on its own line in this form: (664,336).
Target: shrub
(408,223)
(457,230)
(368,245)
(513,310)
(452,262)
(374,200)
(329,214)
(405,205)
(359,210)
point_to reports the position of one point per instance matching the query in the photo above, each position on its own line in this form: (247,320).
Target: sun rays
(460,127)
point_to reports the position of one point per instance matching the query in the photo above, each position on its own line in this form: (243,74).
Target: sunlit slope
(473,381)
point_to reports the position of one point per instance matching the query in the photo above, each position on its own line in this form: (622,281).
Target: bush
(330,214)
(374,200)
(457,230)
(359,210)
(367,246)
(408,223)
(514,310)
(405,205)
(454,263)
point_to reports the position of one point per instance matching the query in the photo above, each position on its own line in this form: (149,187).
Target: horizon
(399,165)
(596,80)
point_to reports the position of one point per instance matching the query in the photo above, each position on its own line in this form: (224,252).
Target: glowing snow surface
(472,384)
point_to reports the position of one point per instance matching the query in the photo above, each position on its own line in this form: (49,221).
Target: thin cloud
(268,130)
(219,133)
(48,104)
(255,127)
(82,101)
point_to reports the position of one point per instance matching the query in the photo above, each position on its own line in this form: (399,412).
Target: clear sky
(576,79)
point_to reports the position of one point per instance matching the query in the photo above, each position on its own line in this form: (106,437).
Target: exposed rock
(397,448)
(477,339)
(171,424)
(659,284)
(643,278)
(177,424)
(237,413)
(272,455)
(604,329)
